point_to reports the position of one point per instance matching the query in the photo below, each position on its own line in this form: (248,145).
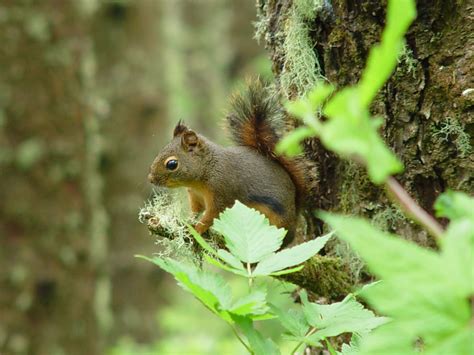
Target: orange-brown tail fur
(254,121)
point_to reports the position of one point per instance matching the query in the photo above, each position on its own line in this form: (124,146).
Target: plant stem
(249,271)
(241,340)
(414,210)
(311,331)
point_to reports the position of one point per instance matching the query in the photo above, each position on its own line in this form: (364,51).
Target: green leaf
(300,108)
(320,93)
(354,346)
(340,317)
(290,144)
(231,260)
(432,289)
(253,303)
(458,256)
(383,58)
(222,266)
(352,133)
(290,257)
(209,288)
(455,205)
(287,271)
(248,234)
(292,320)
(258,343)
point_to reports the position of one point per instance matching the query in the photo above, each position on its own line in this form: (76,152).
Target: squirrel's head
(180,163)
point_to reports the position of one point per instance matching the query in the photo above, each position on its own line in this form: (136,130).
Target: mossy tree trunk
(427,104)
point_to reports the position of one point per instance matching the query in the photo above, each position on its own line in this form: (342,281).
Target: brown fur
(253,122)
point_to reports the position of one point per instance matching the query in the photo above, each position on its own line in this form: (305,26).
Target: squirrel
(250,172)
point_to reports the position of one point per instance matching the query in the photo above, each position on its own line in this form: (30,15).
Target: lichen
(164,213)
(388,218)
(407,60)
(301,69)
(453,130)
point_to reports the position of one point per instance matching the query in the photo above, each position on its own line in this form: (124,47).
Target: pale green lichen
(301,69)
(388,218)
(452,130)
(168,211)
(407,60)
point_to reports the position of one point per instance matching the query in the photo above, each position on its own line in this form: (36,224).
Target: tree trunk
(427,104)
(52,213)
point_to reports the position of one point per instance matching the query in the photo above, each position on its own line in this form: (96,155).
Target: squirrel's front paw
(201,227)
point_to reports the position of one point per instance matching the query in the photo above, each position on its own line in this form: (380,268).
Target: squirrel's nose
(152,178)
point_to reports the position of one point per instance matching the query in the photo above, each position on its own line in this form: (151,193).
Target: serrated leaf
(455,205)
(353,348)
(340,317)
(290,257)
(248,234)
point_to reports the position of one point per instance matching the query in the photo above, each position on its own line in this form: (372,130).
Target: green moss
(323,275)
(452,130)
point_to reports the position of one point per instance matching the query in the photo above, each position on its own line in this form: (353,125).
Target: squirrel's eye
(172,164)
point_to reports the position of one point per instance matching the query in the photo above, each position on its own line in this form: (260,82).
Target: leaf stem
(310,332)
(241,340)
(414,210)
(249,271)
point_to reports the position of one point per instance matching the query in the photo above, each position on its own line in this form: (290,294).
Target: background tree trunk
(427,104)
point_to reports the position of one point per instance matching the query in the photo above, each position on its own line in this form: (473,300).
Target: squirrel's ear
(190,140)
(180,129)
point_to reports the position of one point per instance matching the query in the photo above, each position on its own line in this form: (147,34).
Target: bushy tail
(256,120)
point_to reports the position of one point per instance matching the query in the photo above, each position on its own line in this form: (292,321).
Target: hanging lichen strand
(301,69)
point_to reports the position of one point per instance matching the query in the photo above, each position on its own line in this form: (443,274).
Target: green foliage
(432,289)
(255,242)
(252,251)
(350,131)
(454,205)
(313,323)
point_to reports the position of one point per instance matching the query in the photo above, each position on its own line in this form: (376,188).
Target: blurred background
(89,92)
